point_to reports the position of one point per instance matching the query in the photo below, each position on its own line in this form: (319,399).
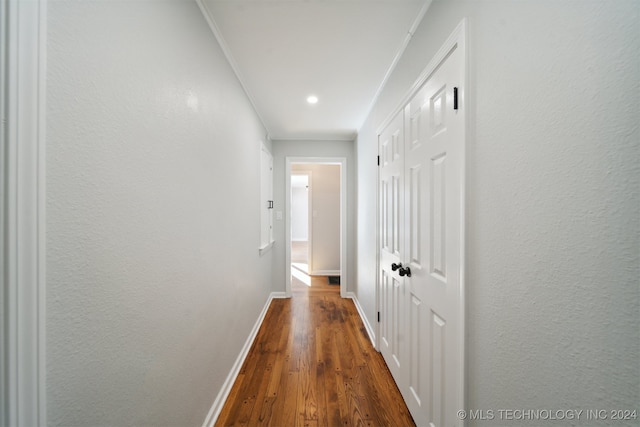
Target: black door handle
(395,266)
(405,271)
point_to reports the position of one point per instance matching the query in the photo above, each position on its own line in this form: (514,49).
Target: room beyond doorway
(315,219)
(301,209)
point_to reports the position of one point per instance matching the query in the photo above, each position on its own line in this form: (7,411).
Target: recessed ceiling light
(312,99)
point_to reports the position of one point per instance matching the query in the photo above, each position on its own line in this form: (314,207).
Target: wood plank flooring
(312,364)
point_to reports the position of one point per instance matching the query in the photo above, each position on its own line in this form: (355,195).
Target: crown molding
(338,137)
(396,59)
(208,16)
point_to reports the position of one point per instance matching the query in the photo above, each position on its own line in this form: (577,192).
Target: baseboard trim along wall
(216,408)
(325,273)
(367,325)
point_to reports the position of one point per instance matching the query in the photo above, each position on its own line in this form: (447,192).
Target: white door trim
(342,161)
(457,40)
(22,151)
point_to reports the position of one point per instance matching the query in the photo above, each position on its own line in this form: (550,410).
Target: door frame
(342,162)
(22,212)
(457,39)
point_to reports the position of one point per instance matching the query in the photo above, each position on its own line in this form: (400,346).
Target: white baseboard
(216,408)
(325,273)
(367,325)
(275,295)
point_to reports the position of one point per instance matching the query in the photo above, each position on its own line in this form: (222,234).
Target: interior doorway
(315,222)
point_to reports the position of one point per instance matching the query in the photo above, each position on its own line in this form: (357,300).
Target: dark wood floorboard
(312,364)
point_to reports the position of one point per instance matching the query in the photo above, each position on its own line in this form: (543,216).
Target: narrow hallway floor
(312,364)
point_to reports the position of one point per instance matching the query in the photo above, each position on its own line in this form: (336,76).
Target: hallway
(312,364)
(146,225)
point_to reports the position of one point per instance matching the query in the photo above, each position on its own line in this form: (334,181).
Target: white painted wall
(553,236)
(152,215)
(283,149)
(300,210)
(325,219)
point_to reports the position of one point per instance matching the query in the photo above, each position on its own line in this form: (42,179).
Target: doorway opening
(315,223)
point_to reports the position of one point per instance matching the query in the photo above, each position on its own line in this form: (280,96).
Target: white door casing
(23,41)
(430,370)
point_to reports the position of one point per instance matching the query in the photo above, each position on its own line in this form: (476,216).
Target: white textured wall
(299,213)
(283,149)
(325,221)
(553,201)
(152,219)
(366,147)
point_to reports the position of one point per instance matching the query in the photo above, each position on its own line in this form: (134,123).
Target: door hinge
(269,204)
(378,316)
(455,98)
(378,160)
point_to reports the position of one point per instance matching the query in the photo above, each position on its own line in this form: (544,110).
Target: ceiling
(338,50)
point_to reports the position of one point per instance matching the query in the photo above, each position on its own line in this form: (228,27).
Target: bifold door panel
(421,164)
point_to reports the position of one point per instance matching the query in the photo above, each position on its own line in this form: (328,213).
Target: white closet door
(433,176)
(392,242)
(421,200)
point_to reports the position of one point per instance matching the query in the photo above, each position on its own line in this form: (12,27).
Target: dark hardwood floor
(312,364)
